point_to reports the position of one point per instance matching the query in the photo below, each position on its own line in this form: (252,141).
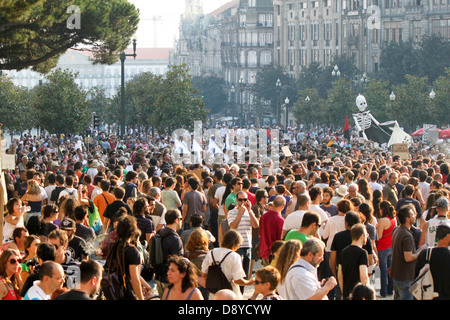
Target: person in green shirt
(309,227)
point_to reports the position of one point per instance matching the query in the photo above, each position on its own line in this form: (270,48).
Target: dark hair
(310,218)
(231,239)
(314,192)
(387,209)
(352,218)
(10,204)
(48,209)
(172,215)
(404,212)
(363,292)
(119,192)
(184,266)
(46,251)
(357,231)
(46,269)
(139,205)
(442,231)
(196,220)
(80,212)
(89,269)
(193,183)
(259,194)
(169,182)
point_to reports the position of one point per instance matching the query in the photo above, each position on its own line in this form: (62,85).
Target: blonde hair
(33,187)
(287,255)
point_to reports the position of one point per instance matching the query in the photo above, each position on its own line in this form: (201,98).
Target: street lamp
(241,88)
(432,94)
(336,71)
(232,90)
(392,96)
(307,99)
(278,87)
(286,102)
(122,86)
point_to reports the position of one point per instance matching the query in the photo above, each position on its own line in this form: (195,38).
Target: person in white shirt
(294,220)
(301,282)
(51,278)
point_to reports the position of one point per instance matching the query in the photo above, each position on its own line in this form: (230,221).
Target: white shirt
(374,186)
(301,282)
(219,195)
(244,227)
(231,267)
(294,220)
(324,216)
(334,225)
(36,293)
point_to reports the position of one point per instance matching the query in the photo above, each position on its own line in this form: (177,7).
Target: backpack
(156,254)
(422,288)
(216,279)
(114,283)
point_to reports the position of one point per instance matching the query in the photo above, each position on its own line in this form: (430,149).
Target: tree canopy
(35,33)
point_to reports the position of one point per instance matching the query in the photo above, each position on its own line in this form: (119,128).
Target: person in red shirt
(246,184)
(270,227)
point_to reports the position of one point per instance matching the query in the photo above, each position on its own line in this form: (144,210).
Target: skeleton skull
(361,103)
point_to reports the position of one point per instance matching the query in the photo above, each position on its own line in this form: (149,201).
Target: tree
(377,93)
(398,59)
(35,33)
(61,105)
(15,106)
(309,107)
(340,103)
(265,88)
(410,105)
(432,57)
(178,103)
(99,103)
(440,105)
(211,88)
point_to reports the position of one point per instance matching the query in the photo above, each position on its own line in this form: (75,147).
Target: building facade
(315,31)
(155,60)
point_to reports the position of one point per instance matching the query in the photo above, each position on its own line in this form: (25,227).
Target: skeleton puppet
(368,127)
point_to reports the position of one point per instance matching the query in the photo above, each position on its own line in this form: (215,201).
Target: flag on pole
(346,129)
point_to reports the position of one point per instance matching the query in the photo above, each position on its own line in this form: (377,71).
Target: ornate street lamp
(122,86)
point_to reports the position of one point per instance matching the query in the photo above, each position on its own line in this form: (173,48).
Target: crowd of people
(318,226)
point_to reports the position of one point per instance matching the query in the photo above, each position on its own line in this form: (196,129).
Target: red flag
(346,129)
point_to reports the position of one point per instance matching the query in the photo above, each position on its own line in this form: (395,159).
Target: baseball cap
(67,224)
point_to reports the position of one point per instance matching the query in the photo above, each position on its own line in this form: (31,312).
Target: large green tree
(211,88)
(35,33)
(61,105)
(178,103)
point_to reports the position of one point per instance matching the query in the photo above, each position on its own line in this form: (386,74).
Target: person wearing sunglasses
(266,282)
(10,278)
(242,219)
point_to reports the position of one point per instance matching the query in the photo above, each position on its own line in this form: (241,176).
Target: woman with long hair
(30,259)
(33,198)
(182,278)
(125,257)
(287,255)
(364,189)
(377,197)
(10,275)
(13,219)
(385,227)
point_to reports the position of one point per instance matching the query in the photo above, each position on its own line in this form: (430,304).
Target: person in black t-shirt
(354,265)
(77,246)
(112,208)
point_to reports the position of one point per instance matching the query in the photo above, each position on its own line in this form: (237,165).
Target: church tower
(193,8)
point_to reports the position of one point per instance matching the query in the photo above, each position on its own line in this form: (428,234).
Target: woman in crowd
(10,275)
(182,278)
(385,228)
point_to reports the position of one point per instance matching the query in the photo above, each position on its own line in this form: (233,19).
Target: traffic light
(96,121)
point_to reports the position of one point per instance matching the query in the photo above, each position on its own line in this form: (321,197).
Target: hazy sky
(165,15)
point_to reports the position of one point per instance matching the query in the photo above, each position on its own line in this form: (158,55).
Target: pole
(122,86)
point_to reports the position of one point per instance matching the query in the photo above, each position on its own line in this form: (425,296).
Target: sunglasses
(241,199)
(258,282)
(14,261)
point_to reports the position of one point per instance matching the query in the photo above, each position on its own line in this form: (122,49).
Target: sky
(159,20)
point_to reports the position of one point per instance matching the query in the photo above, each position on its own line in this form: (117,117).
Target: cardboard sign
(401,149)
(286,151)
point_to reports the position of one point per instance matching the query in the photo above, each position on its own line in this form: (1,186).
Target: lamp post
(432,94)
(392,96)
(278,88)
(336,71)
(232,99)
(241,88)
(286,102)
(123,56)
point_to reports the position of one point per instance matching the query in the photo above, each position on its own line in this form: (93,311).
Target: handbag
(95,222)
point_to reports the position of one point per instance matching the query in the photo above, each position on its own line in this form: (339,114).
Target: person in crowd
(182,279)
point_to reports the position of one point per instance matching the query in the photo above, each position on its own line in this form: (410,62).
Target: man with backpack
(439,263)
(171,244)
